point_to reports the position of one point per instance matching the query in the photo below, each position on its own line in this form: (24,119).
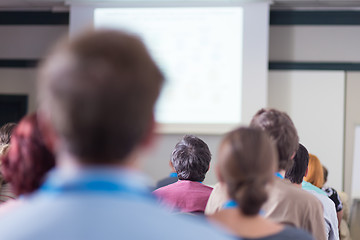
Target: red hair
(28,158)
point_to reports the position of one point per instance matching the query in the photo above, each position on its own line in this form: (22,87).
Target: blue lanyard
(99,186)
(279,175)
(173,174)
(230,204)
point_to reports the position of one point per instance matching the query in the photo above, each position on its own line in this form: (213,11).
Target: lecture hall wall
(323,104)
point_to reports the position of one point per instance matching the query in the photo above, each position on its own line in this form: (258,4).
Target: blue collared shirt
(99,203)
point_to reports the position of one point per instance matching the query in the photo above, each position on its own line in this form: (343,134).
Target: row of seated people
(95,190)
(190,161)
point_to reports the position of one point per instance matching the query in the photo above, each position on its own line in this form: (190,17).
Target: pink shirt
(184,195)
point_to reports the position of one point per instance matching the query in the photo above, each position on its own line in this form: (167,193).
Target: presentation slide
(199,50)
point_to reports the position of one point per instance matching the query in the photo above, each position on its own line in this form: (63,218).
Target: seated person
(96,95)
(6,192)
(334,196)
(286,204)
(191,160)
(27,161)
(296,175)
(246,166)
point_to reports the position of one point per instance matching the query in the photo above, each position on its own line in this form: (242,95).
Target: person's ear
(293,155)
(306,172)
(171,166)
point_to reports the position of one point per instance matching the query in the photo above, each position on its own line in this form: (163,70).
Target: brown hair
(247,163)
(281,129)
(315,174)
(99,91)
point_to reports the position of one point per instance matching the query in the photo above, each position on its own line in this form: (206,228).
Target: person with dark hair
(246,166)
(6,192)
(296,175)
(286,203)
(334,196)
(96,96)
(191,160)
(27,161)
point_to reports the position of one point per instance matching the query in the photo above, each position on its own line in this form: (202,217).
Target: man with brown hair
(97,94)
(288,204)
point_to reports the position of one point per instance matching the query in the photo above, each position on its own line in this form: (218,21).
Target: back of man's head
(281,129)
(98,91)
(301,160)
(191,158)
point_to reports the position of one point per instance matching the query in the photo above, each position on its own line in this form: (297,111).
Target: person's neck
(70,163)
(297,185)
(282,172)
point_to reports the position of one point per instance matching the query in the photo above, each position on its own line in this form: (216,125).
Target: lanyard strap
(173,174)
(230,204)
(277,174)
(100,186)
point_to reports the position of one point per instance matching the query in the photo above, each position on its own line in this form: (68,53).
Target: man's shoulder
(294,195)
(182,185)
(123,219)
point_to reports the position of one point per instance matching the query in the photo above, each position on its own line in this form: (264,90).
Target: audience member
(296,175)
(173,177)
(247,164)
(334,196)
(286,204)
(315,174)
(27,161)
(6,192)
(191,160)
(96,97)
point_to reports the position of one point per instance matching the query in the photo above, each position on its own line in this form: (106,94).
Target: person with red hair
(27,160)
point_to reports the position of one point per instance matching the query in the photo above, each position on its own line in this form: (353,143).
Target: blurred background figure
(26,163)
(333,195)
(6,130)
(296,175)
(247,165)
(341,200)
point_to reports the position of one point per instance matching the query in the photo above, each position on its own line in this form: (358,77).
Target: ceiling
(277,4)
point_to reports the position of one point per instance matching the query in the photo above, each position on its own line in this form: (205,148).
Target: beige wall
(352,119)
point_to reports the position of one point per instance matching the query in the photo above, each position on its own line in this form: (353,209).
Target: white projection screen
(199,51)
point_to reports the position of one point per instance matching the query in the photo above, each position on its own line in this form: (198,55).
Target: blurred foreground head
(28,159)
(98,92)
